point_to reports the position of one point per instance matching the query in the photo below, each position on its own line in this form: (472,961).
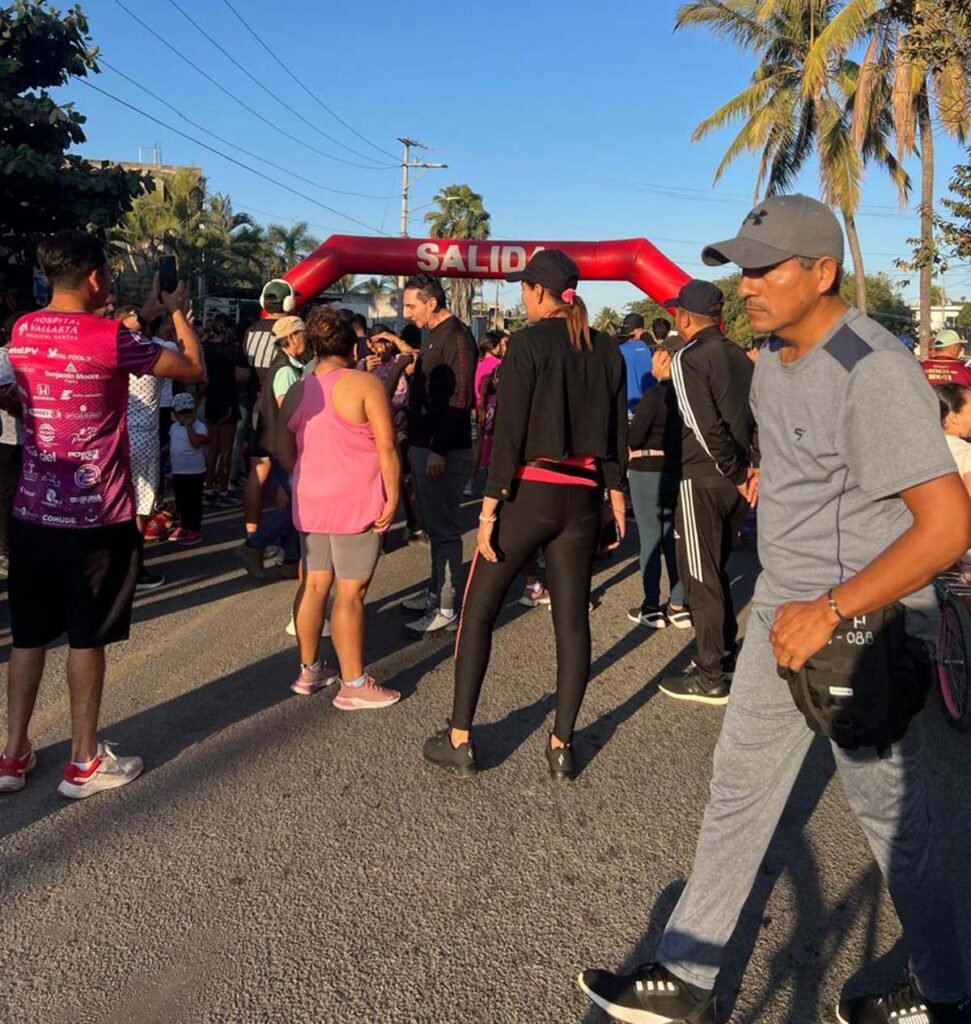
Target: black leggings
(188,499)
(565,520)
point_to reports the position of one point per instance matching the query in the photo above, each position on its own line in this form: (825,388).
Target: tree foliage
(607,320)
(43,188)
(461,213)
(917,63)
(225,249)
(784,124)
(956,226)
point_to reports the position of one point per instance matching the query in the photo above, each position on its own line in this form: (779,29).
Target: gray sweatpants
(762,745)
(439,503)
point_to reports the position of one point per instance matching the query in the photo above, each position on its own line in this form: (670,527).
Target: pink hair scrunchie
(569,295)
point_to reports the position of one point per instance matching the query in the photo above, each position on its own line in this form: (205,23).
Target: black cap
(700,297)
(632,322)
(552,269)
(671,344)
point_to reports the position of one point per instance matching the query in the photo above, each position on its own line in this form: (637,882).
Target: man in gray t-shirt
(860,506)
(843,432)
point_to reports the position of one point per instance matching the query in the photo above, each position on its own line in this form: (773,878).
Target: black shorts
(81,582)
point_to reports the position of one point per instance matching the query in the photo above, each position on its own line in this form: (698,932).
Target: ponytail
(574,311)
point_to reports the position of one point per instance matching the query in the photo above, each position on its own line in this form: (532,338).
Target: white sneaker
(292,628)
(434,621)
(423,602)
(468,491)
(107,771)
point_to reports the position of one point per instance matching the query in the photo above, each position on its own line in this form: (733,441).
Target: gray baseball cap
(777,229)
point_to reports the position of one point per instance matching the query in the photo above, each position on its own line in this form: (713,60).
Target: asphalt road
(281,861)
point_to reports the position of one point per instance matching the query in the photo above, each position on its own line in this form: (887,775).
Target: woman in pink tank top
(340,449)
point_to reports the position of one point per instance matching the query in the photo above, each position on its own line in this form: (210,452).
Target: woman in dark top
(221,407)
(654,438)
(560,438)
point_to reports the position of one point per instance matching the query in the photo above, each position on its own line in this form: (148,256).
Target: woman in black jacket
(560,438)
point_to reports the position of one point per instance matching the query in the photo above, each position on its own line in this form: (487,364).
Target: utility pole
(407,165)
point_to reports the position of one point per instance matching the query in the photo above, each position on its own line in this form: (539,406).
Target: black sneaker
(148,581)
(650,995)
(560,760)
(694,686)
(460,761)
(903,1004)
(290,570)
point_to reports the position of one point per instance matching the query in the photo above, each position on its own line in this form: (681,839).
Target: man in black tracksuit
(712,377)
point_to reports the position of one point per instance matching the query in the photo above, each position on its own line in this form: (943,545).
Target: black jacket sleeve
(649,411)
(701,415)
(615,464)
(514,402)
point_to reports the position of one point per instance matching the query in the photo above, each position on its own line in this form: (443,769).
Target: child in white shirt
(187,438)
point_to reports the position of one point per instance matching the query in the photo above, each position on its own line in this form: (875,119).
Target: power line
(283,103)
(232,160)
(276,129)
(233,145)
(312,95)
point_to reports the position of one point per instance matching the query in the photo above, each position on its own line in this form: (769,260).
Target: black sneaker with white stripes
(903,1004)
(650,995)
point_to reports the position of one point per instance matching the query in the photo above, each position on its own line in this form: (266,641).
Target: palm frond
(735,20)
(849,24)
(746,102)
(952,94)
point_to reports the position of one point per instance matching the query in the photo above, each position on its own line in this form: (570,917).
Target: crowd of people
(861,504)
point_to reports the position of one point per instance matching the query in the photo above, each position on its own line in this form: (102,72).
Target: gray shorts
(349,556)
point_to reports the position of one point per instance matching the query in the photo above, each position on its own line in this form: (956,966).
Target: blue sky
(572,124)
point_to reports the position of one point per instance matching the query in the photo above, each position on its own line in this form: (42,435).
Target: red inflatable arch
(630,259)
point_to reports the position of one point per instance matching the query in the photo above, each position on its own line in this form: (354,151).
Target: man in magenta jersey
(74,551)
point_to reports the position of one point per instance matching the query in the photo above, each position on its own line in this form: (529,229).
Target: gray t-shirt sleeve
(891,431)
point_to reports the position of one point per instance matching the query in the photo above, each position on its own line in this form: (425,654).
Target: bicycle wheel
(954,661)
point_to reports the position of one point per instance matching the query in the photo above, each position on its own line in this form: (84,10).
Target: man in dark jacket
(712,377)
(440,433)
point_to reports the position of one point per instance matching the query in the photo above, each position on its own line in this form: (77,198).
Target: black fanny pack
(865,686)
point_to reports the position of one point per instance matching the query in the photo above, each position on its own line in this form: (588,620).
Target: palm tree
(916,70)
(460,214)
(166,220)
(290,245)
(607,320)
(784,124)
(374,287)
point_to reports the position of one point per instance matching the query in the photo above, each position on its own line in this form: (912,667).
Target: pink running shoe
(368,695)
(311,680)
(13,771)
(177,533)
(189,539)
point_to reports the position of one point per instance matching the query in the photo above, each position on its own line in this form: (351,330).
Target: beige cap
(287,325)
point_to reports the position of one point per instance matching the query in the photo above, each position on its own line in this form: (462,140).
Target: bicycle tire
(954,661)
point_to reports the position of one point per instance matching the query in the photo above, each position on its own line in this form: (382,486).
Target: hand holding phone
(168,274)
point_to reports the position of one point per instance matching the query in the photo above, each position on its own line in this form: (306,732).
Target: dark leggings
(188,499)
(11,463)
(565,520)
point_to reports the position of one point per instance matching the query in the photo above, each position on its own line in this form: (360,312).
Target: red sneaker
(13,771)
(189,539)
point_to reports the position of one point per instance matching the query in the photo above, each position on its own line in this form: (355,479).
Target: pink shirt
(337,485)
(486,365)
(72,378)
